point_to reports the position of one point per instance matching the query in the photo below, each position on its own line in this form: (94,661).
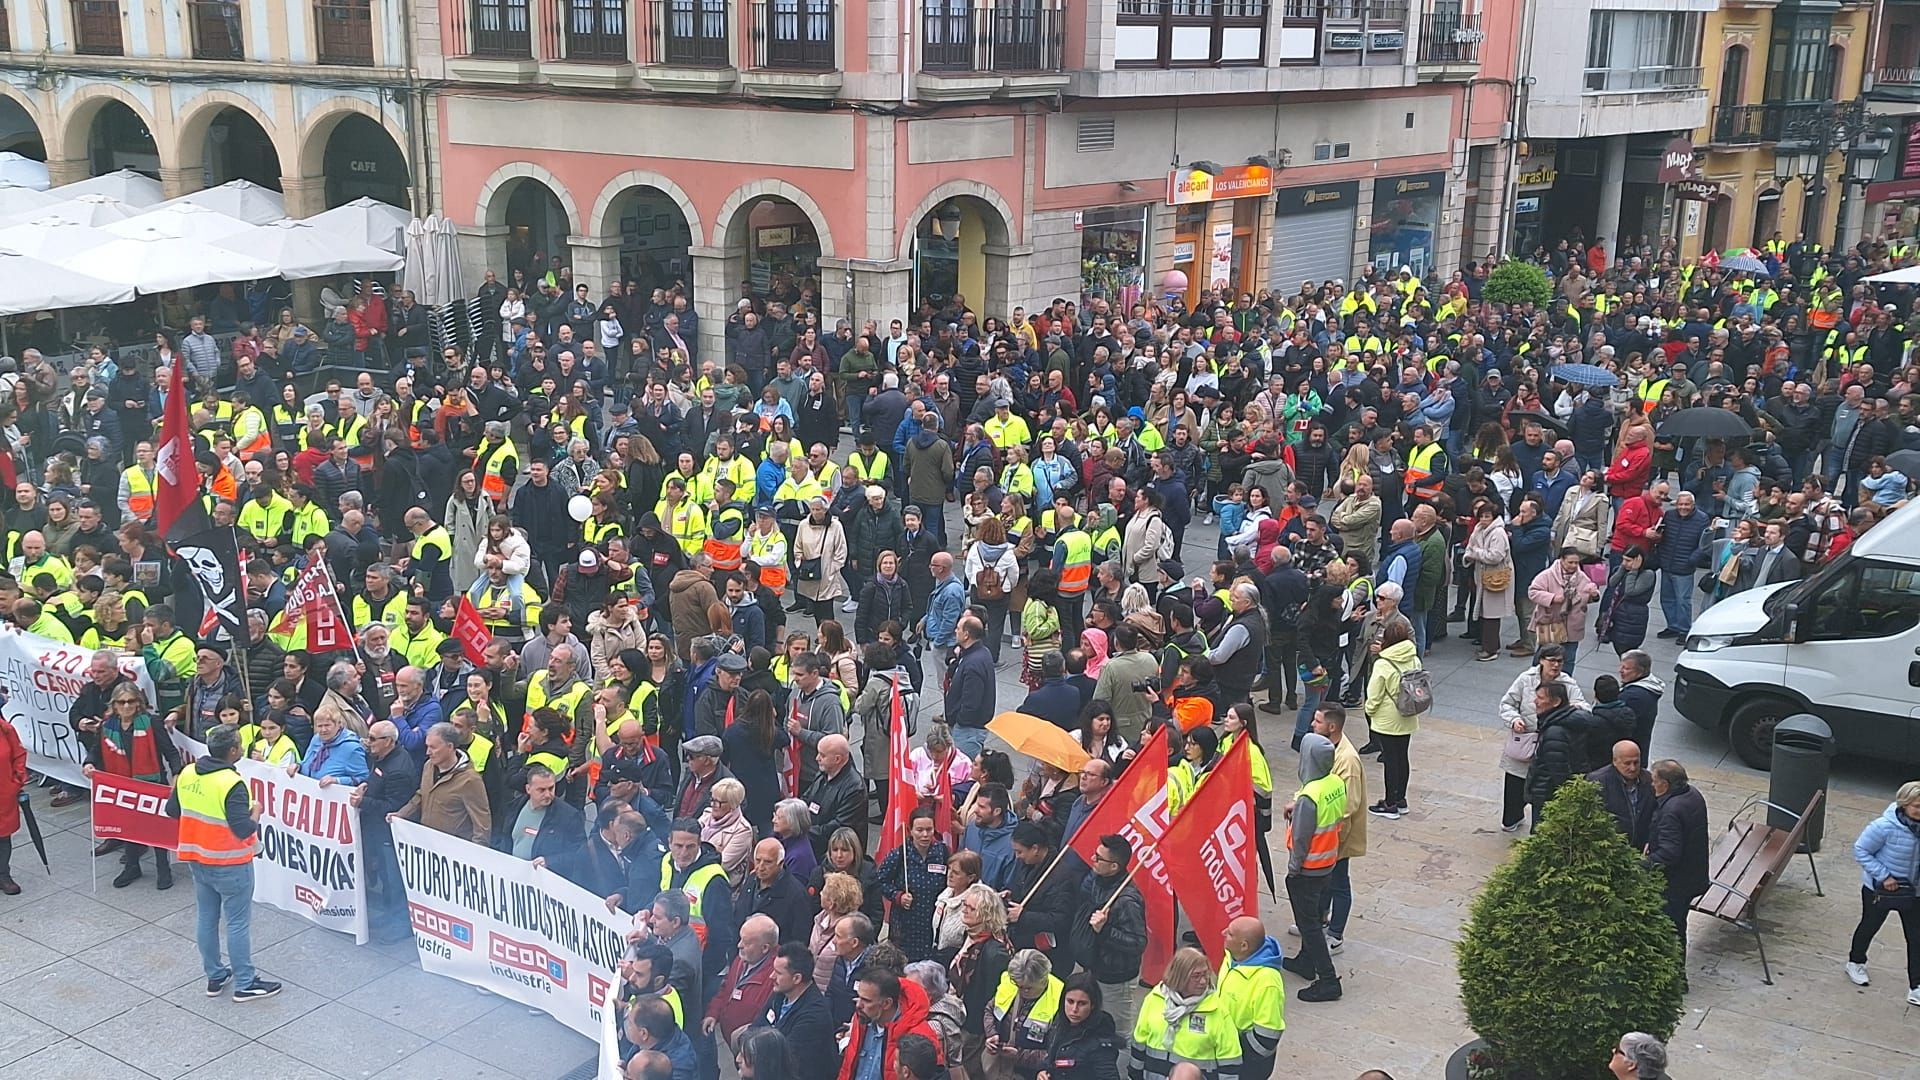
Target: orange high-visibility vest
(1329,795)
(205,836)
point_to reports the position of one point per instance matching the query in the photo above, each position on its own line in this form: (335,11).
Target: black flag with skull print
(211,554)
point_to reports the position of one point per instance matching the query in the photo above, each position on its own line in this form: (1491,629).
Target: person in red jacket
(885,1008)
(1628,476)
(1637,525)
(13,780)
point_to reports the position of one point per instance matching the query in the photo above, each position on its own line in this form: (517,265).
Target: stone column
(837,284)
(1008,278)
(881,291)
(715,269)
(68,170)
(175,182)
(596,262)
(305,195)
(483,248)
(1613,178)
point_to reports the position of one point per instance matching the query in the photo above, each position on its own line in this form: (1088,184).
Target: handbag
(1902,898)
(1521,745)
(808,570)
(1496,578)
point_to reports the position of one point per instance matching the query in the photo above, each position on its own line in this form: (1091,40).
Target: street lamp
(1811,135)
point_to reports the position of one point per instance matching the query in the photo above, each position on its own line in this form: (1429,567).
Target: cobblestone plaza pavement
(102,983)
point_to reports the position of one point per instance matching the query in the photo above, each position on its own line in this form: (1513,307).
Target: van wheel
(1751,730)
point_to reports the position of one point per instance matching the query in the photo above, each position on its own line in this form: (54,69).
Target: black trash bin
(1802,759)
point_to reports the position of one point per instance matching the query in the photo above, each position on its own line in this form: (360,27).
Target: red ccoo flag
(470,630)
(1211,844)
(901,798)
(315,604)
(1136,808)
(176,476)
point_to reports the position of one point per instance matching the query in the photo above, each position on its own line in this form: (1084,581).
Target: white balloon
(579,508)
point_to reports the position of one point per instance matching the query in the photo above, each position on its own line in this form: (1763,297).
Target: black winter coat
(1047,919)
(1089,1051)
(1563,752)
(1679,844)
(1112,954)
(880,602)
(1623,609)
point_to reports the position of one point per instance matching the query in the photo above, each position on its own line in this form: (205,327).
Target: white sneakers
(850,606)
(1335,944)
(1857,974)
(1913,996)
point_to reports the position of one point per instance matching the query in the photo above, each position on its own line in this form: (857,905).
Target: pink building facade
(884,156)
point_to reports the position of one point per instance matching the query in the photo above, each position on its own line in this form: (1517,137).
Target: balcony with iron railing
(1892,83)
(595,31)
(1010,37)
(500,30)
(96,28)
(1450,39)
(793,35)
(345,32)
(691,33)
(1190,33)
(1759,125)
(216,29)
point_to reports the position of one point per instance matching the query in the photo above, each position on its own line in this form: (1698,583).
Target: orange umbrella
(1038,738)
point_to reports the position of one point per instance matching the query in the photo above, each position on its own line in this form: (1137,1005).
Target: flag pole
(1064,848)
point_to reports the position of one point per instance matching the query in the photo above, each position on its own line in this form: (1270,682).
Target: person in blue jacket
(990,835)
(1888,852)
(336,753)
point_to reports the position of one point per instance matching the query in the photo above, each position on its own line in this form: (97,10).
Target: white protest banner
(502,924)
(310,863)
(41,678)
(310,856)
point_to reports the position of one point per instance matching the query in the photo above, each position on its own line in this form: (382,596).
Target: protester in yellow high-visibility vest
(1313,847)
(219,835)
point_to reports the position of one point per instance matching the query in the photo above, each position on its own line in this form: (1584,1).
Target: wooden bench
(1746,861)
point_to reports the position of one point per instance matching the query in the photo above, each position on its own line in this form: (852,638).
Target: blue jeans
(1419,620)
(970,740)
(1572,649)
(1676,600)
(856,404)
(1339,899)
(933,517)
(1310,698)
(225,890)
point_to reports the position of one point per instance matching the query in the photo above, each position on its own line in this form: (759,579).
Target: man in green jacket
(1429,595)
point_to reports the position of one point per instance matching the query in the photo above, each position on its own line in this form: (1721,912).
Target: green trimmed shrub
(1568,948)
(1514,282)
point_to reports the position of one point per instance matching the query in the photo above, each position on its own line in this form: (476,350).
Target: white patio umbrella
(302,251)
(153,262)
(23,171)
(132,188)
(1906,275)
(52,239)
(241,199)
(95,210)
(30,284)
(369,221)
(445,250)
(184,220)
(16,199)
(418,267)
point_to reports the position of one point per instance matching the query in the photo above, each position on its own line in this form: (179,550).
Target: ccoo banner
(310,860)
(41,677)
(504,925)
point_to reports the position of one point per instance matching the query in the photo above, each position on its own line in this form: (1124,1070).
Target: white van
(1842,644)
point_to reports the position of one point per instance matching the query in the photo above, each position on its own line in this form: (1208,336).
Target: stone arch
(35,114)
(746,193)
(193,119)
(319,126)
(84,107)
(999,224)
(599,221)
(491,208)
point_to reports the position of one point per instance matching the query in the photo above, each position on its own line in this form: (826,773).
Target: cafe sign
(1188,186)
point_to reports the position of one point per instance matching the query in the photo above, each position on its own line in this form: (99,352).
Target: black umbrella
(33,831)
(1905,462)
(1552,423)
(1706,422)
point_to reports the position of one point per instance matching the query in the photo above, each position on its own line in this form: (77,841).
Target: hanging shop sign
(1187,186)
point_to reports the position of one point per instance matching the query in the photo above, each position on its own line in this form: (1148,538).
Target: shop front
(1313,235)
(1538,171)
(1893,199)
(1218,228)
(1113,253)
(1404,227)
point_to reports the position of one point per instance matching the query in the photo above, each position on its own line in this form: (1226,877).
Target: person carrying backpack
(1398,691)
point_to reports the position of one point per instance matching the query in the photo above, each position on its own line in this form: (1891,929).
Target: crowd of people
(707,576)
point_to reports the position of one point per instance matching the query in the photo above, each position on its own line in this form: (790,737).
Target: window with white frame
(1643,50)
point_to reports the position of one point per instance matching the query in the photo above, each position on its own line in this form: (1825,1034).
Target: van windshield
(1797,592)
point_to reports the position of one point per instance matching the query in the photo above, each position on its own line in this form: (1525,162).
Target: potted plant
(1566,949)
(1514,282)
